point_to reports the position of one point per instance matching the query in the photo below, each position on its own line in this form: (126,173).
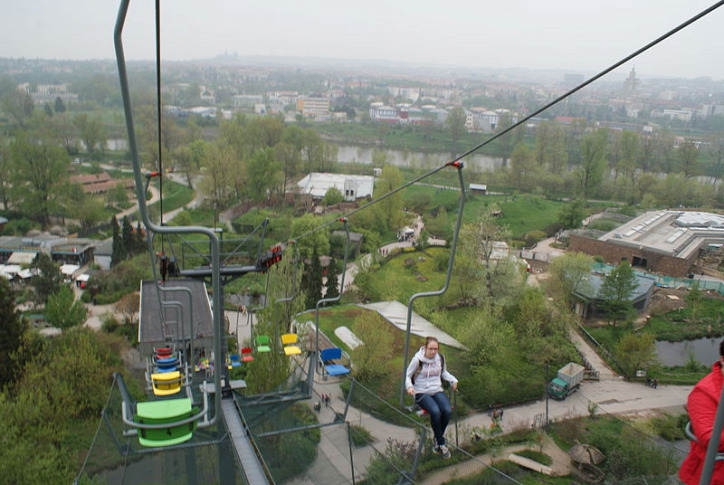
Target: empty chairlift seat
(169,411)
(166,383)
(290,343)
(329,357)
(246,354)
(262,343)
(168,364)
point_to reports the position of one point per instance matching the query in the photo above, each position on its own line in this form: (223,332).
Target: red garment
(702,404)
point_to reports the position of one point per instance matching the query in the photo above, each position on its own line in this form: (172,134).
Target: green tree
(92,132)
(63,311)
(118,252)
(571,215)
(523,171)
(129,247)
(312,280)
(48,280)
(593,161)
(88,210)
(332,196)
(39,176)
(316,240)
(222,171)
(616,291)
(688,158)
(19,105)
(12,329)
(332,285)
(569,273)
(694,298)
(371,358)
(389,210)
(636,351)
(455,125)
(264,175)
(59,105)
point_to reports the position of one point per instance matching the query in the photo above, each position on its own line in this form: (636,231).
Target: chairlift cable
(158,109)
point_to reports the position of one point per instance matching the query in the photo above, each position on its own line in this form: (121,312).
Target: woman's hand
(454,386)
(411,391)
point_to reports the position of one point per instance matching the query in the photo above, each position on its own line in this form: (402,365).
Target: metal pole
(545,389)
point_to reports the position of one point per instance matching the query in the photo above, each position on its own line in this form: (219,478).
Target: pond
(704,350)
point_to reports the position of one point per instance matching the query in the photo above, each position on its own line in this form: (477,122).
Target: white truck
(567,381)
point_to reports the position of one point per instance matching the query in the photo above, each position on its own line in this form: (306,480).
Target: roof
(317,184)
(22,257)
(590,291)
(674,233)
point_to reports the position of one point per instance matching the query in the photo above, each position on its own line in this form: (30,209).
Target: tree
(389,210)
(314,241)
(332,280)
(523,171)
(39,176)
(370,359)
(92,132)
(12,329)
(636,351)
(688,157)
(129,247)
(59,105)
(118,253)
(222,172)
(455,124)
(312,280)
(571,215)
(616,291)
(19,105)
(63,311)
(332,196)
(593,161)
(694,298)
(569,273)
(264,175)
(88,210)
(49,279)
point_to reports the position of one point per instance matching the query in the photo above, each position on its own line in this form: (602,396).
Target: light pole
(545,389)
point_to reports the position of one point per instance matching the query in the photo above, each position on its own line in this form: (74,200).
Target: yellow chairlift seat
(168,411)
(166,383)
(290,343)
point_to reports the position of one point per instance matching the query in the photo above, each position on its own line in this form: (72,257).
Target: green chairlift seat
(162,412)
(262,343)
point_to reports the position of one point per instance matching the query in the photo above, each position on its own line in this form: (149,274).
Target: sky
(584,36)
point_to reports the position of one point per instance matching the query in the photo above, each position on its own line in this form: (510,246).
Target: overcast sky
(572,35)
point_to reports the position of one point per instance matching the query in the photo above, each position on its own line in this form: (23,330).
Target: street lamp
(545,389)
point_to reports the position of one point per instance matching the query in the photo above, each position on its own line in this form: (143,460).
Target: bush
(359,435)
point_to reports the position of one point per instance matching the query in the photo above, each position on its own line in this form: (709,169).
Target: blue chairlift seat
(328,356)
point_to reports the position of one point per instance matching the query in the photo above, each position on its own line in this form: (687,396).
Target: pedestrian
(656,382)
(648,382)
(702,405)
(326,400)
(423,380)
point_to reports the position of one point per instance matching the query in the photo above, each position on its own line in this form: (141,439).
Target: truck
(567,381)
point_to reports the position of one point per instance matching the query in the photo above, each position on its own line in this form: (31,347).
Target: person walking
(702,405)
(423,381)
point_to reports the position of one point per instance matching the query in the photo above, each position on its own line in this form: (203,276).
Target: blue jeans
(438,407)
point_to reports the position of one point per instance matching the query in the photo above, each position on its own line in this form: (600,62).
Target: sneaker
(436,449)
(444,451)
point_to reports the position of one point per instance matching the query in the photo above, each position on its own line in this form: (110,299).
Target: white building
(352,187)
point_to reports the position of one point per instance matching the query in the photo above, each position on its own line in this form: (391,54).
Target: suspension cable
(158,109)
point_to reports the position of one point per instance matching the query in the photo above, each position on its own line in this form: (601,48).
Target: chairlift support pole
(451,261)
(140,195)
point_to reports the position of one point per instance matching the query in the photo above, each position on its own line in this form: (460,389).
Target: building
(352,187)
(588,301)
(63,250)
(99,183)
(313,107)
(664,241)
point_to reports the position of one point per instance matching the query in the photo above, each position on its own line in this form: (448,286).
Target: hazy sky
(573,35)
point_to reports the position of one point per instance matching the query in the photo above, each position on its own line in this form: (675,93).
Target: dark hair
(721,349)
(430,338)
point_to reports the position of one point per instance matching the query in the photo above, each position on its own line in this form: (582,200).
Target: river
(704,350)
(401,158)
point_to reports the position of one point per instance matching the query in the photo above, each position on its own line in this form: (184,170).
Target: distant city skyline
(565,35)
